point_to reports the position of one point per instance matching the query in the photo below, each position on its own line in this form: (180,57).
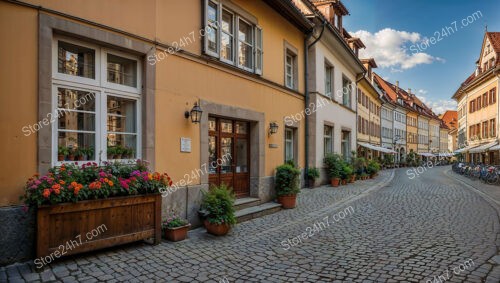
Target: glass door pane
(226,150)
(241,156)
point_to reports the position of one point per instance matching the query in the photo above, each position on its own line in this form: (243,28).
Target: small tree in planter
(287,185)
(346,174)
(217,210)
(372,168)
(175,228)
(334,164)
(79,153)
(312,175)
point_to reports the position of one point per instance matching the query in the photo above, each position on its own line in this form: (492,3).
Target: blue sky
(392,29)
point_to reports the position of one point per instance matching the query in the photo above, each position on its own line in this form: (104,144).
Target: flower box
(72,228)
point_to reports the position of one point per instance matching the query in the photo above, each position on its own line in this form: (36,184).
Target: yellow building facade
(138,83)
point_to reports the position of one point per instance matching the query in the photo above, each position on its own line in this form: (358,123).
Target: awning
(483,147)
(496,147)
(426,154)
(445,154)
(377,148)
(467,148)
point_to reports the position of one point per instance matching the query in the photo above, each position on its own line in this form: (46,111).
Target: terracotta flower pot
(288,201)
(217,229)
(344,182)
(71,157)
(177,234)
(335,182)
(60,157)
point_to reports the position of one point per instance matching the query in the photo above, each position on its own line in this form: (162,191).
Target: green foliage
(359,165)
(287,180)
(388,159)
(217,205)
(334,164)
(313,173)
(62,150)
(173,220)
(373,167)
(346,172)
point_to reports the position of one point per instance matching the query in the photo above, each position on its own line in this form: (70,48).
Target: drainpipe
(306,92)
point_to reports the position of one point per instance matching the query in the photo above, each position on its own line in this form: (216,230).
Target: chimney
(397,86)
(477,69)
(409,91)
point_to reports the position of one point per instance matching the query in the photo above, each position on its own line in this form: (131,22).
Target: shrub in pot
(217,210)
(79,153)
(373,168)
(62,152)
(287,185)
(175,227)
(346,174)
(334,164)
(312,175)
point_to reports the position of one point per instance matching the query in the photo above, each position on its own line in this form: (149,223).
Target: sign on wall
(185,145)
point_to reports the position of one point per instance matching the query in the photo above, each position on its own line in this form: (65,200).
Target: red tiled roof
(494,38)
(450,118)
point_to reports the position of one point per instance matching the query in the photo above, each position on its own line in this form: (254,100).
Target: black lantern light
(273,128)
(195,113)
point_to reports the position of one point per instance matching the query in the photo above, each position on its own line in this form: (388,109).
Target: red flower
(46,193)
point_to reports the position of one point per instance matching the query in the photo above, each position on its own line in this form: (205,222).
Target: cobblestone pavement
(400,229)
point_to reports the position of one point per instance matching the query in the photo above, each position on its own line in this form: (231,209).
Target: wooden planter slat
(127,219)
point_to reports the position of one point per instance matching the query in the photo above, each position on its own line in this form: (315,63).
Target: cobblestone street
(400,230)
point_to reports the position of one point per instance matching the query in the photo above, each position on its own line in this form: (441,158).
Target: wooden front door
(229,154)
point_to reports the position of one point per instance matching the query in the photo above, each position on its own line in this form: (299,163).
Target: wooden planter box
(72,228)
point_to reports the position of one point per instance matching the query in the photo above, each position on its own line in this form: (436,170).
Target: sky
(398,34)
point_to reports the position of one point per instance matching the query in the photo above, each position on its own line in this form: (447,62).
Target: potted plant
(111,152)
(359,166)
(79,153)
(287,185)
(71,154)
(217,210)
(364,176)
(89,153)
(345,173)
(175,227)
(119,152)
(334,164)
(313,175)
(373,168)
(62,152)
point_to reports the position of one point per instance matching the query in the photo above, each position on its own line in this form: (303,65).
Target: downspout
(306,92)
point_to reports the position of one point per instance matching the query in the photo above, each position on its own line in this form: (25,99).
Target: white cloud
(439,106)
(388,48)
(422,91)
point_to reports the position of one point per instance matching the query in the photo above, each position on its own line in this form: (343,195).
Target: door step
(242,203)
(252,212)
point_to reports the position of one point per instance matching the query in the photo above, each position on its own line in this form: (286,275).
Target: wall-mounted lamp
(195,114)
(273,128)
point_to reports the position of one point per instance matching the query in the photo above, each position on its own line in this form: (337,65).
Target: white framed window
(346,92)
(227,37)
(212,36)
(96,120)
(328,79)
(327,140)
(232,38)
(346,144)
(245,45)
(289,71)
(258,50)
(289,145)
